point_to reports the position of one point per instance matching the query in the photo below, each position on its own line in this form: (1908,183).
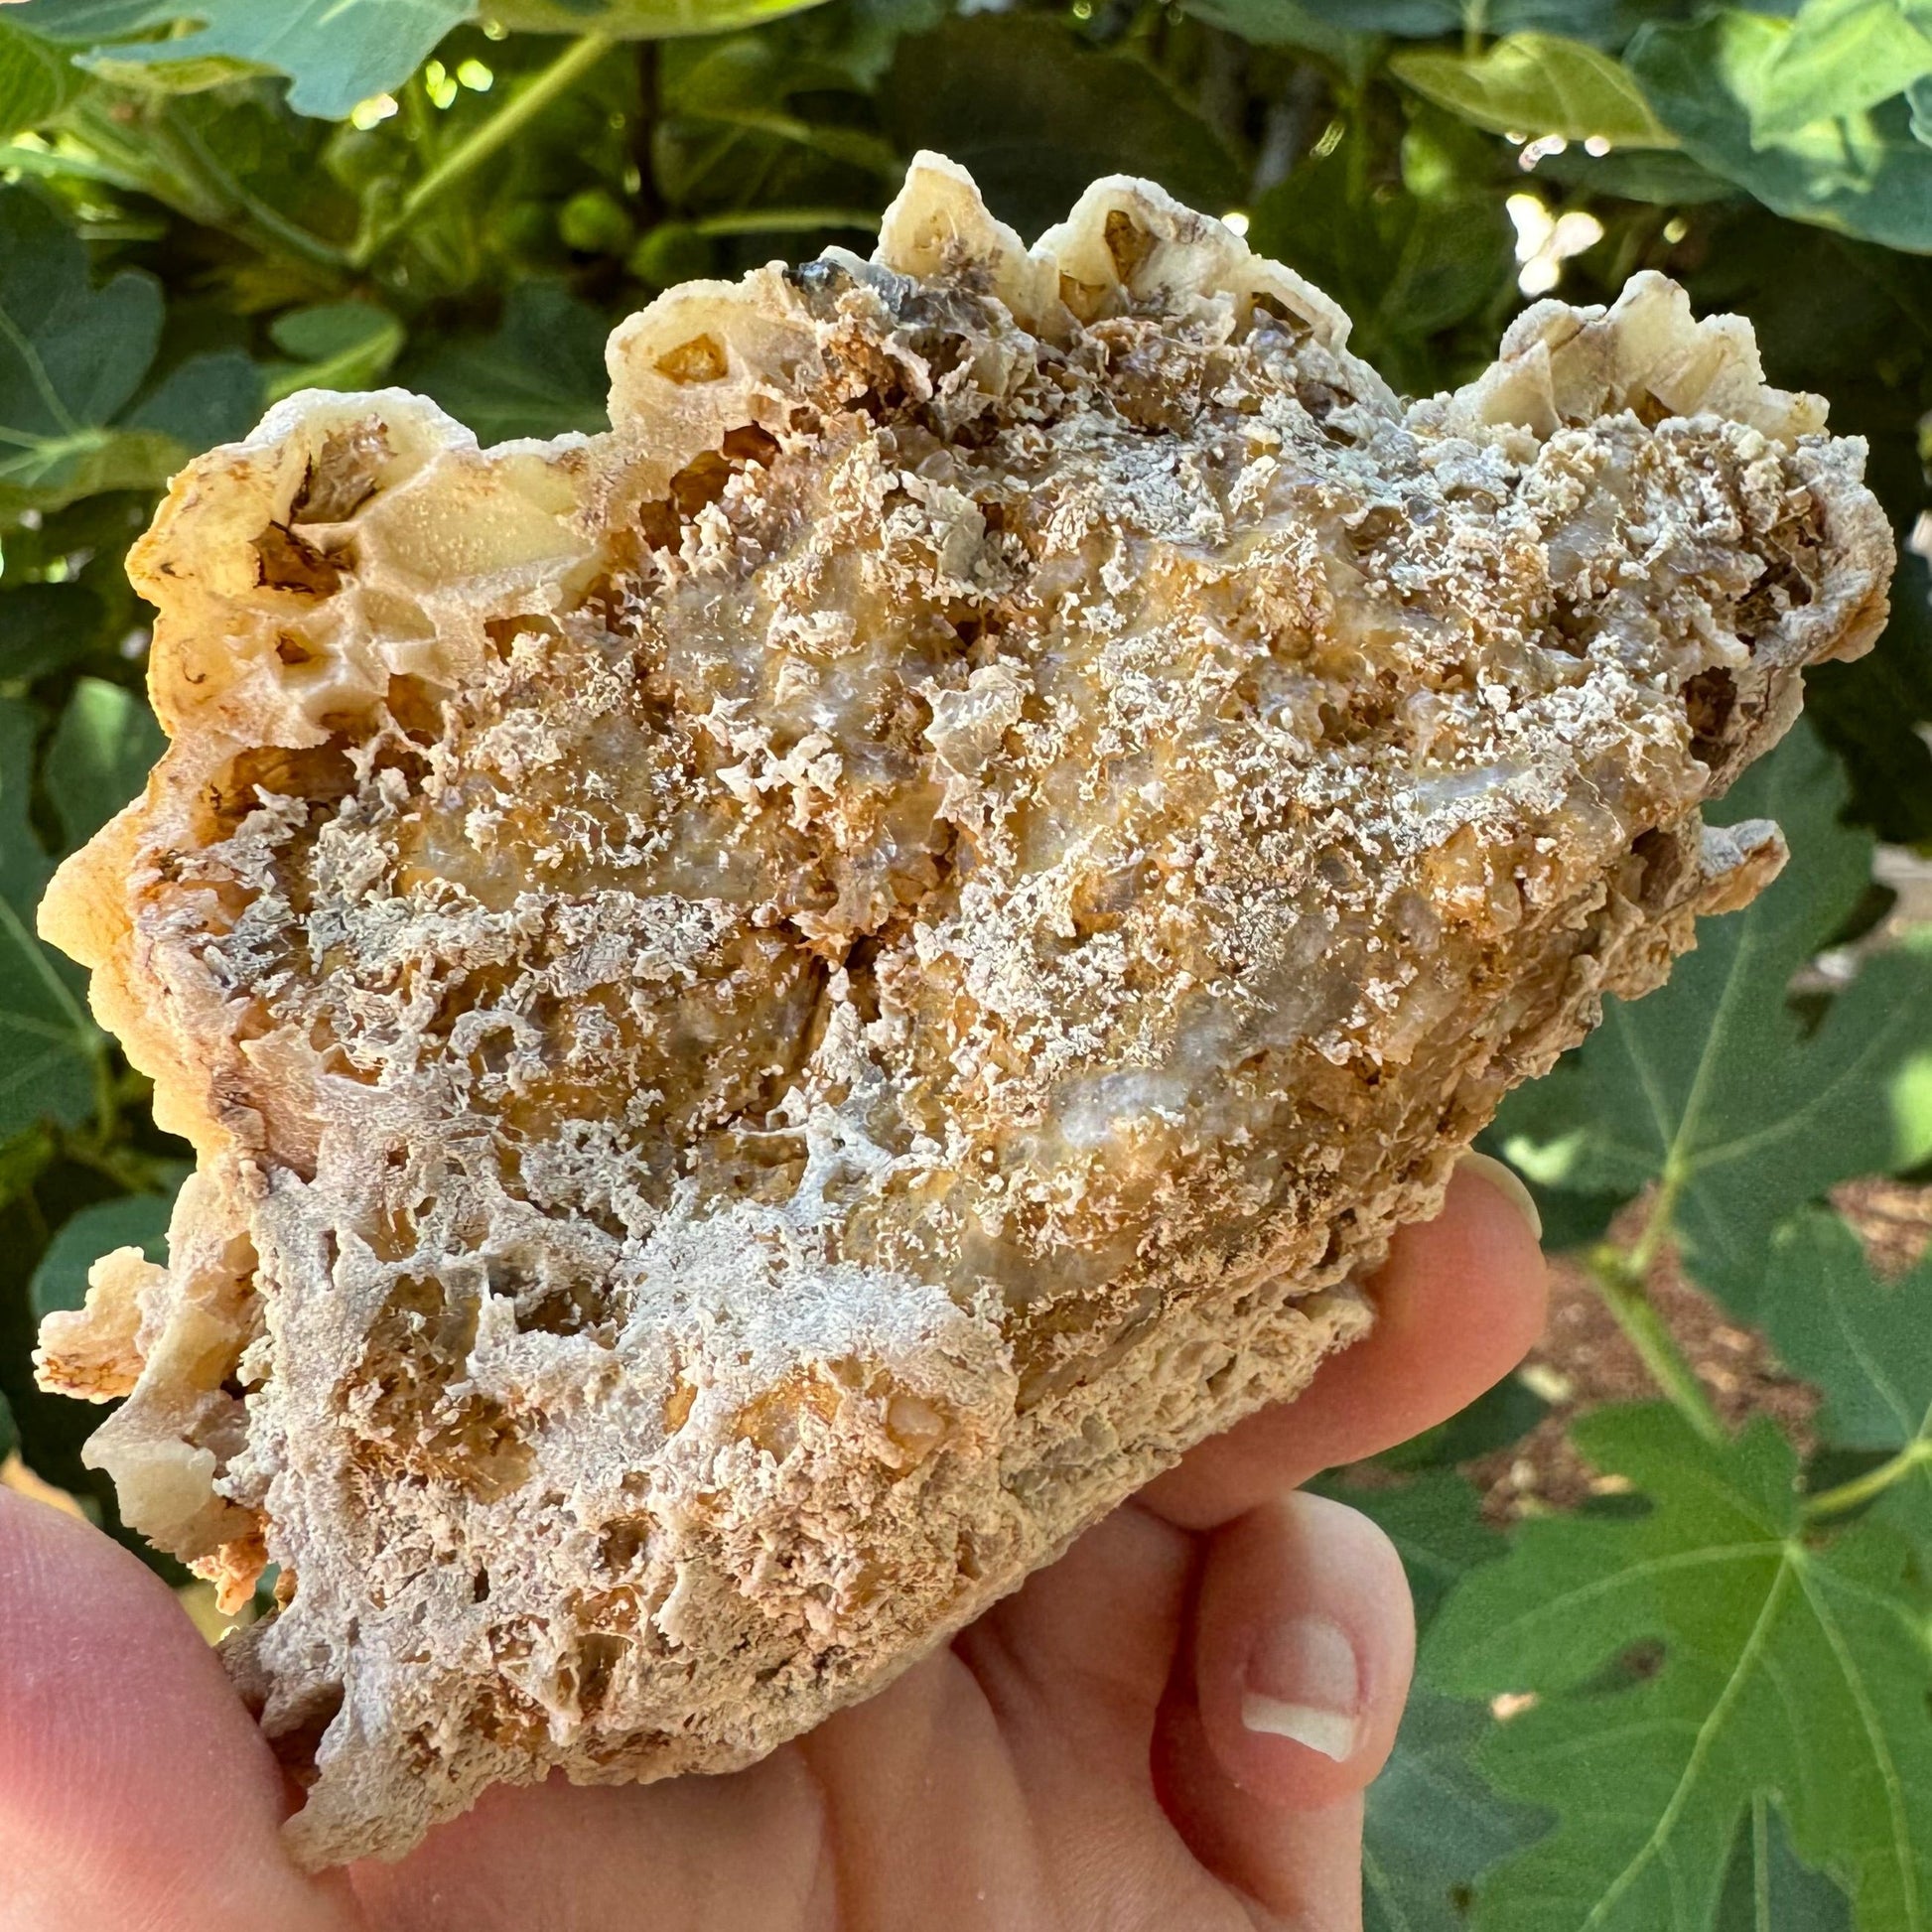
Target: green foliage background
(1721,1674)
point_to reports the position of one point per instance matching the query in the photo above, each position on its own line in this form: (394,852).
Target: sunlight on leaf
(334,52)
(37,80)
(1788,1668)
(1859,171)
(1539,84)
(1839,58)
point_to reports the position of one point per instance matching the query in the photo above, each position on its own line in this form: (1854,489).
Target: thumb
(1302,1645)
(134,1790)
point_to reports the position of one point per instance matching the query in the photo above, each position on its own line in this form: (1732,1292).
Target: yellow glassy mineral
(779,1006)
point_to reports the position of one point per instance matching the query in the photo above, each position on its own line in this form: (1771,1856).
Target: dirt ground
(1583,1359)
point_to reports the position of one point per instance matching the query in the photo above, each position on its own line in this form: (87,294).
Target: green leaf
(1416,20)
(1841,56)
(1665,177)
(71,360)
(1594,20)
(1538,85)
(1716,1085)
(45,626)
(336,345)
(51,1050)
(24,866)
(1862,174)
(102,750)
(1036,116)
(1870,711)
(1433,1519)
(641,19)
(541,373)
(1789,1668)
(70,357)
(754,126)
(164,76)
(23,1159)
(1865,1343)
(9,1435)
(1768,1888)
(35,80)
(1295,23)
(1500,1415)
(1349,45)
(1404,265)
(211,399)
(131,1221)
(335,52)
(1433,1825)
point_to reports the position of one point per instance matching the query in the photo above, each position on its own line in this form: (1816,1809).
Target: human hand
(1078,1758)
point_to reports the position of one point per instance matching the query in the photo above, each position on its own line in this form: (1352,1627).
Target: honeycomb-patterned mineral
(779,1006)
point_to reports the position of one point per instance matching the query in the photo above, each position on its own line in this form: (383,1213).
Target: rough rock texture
(781,1006)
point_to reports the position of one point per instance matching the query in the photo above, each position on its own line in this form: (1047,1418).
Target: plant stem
(647,205)
(782,220)
(155,153)
(1355,163)
(265,227)
(1861,1489)
(1620,1282)
(1657,1224)
(557,78)
(107,1103)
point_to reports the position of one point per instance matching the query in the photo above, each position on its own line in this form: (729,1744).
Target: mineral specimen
(779,1006)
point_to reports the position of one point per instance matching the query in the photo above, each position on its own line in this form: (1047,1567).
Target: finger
(709,1855)
(134,1789)
(1074,1668)
(1087,1644)
(1304,1637)
(1459,1303)
(1302,1645)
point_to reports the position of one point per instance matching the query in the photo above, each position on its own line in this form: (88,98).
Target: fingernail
(1302,1682)
(1506,1181)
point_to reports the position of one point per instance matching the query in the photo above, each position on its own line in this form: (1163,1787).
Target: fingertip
(1458,1303)
(132,1782)
(1505,1179)
(1288,1705)
(1304,1642)
(1483,1252)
